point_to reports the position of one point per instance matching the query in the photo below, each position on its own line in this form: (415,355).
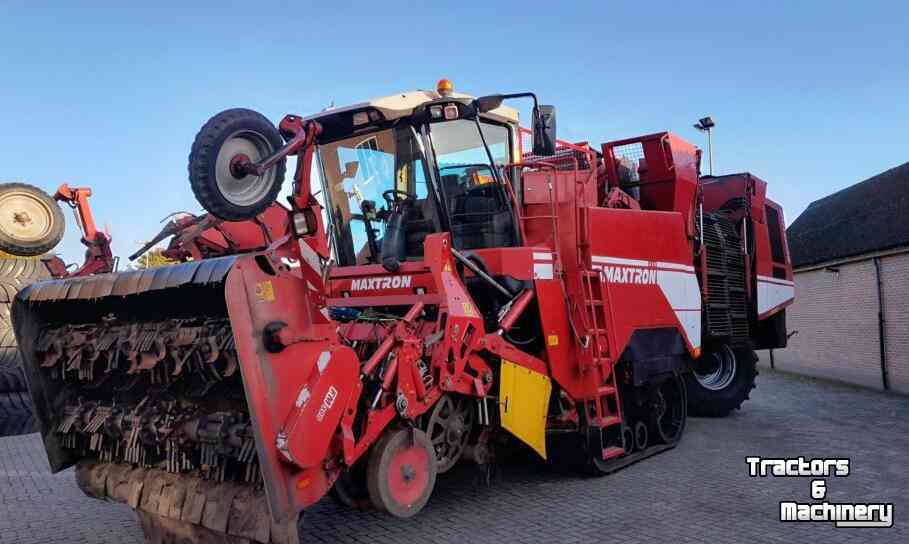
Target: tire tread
(204,153)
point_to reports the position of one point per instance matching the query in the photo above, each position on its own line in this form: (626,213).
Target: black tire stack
(16,416)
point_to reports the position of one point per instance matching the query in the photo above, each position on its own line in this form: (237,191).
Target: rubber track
(619,463)
(176,508)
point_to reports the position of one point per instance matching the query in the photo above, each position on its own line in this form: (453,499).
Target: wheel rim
(247,190)
(719,371)
(670,410)
(448,429)
(26,218)
(408,474)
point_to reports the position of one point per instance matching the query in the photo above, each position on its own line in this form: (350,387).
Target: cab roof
(403,104)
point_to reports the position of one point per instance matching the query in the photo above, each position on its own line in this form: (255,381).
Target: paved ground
(699,492)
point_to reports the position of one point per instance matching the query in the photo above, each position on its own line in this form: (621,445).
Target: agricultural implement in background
(459,293)
(31,225)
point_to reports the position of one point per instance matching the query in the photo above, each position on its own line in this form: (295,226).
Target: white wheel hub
(249,189)
(25,217)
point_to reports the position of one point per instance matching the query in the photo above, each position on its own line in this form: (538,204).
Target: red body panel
(645,259)
(666,168)
(272,381)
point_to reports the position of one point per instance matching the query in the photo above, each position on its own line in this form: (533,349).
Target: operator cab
(399,168)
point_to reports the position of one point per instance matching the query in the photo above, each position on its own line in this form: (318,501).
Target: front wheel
(402,472)
(721,381)
(228,140)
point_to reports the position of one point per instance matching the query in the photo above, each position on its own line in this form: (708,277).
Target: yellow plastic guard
(524,403)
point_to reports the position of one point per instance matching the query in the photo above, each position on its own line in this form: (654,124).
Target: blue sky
(811,96)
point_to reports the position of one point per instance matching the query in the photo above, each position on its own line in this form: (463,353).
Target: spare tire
(721,381)
(16,415)
(228,139)
(31,222)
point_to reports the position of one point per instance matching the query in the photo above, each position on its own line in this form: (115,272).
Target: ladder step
(612,452)
(605,390)
(609,421)
(594,302)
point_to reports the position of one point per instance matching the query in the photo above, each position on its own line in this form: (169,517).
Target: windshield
(458,142)
(476,205)
(356,173)
(363,175)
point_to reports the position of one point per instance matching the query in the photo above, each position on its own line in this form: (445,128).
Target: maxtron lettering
(384,282)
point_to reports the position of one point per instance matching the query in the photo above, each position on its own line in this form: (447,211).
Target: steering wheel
(391,196)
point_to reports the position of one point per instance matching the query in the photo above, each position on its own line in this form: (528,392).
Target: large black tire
(712,394)
(31,222)
(11,379)
(16,274)
(16,416)
(223,138)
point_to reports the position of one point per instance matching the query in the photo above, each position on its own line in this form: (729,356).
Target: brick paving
(697,493)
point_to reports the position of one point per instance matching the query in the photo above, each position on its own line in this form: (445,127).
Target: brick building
(850,252)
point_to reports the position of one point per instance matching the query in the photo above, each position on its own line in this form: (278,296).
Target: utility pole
(705,124)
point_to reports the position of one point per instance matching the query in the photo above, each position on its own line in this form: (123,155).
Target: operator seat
(418,223)
(479,216)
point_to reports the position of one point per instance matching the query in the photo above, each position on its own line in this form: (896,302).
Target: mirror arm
(522,95)
(536,105)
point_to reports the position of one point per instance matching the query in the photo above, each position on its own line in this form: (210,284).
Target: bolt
(408,473)
(22,218)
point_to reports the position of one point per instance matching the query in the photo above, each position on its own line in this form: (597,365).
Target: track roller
(670,411)
(641,436)
(627,439)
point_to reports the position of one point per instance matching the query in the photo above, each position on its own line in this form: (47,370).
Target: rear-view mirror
(544,130)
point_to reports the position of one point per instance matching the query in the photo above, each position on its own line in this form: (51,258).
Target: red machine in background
(98,256)
(31,225)
(740,256)
(463,296)
(193,237)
